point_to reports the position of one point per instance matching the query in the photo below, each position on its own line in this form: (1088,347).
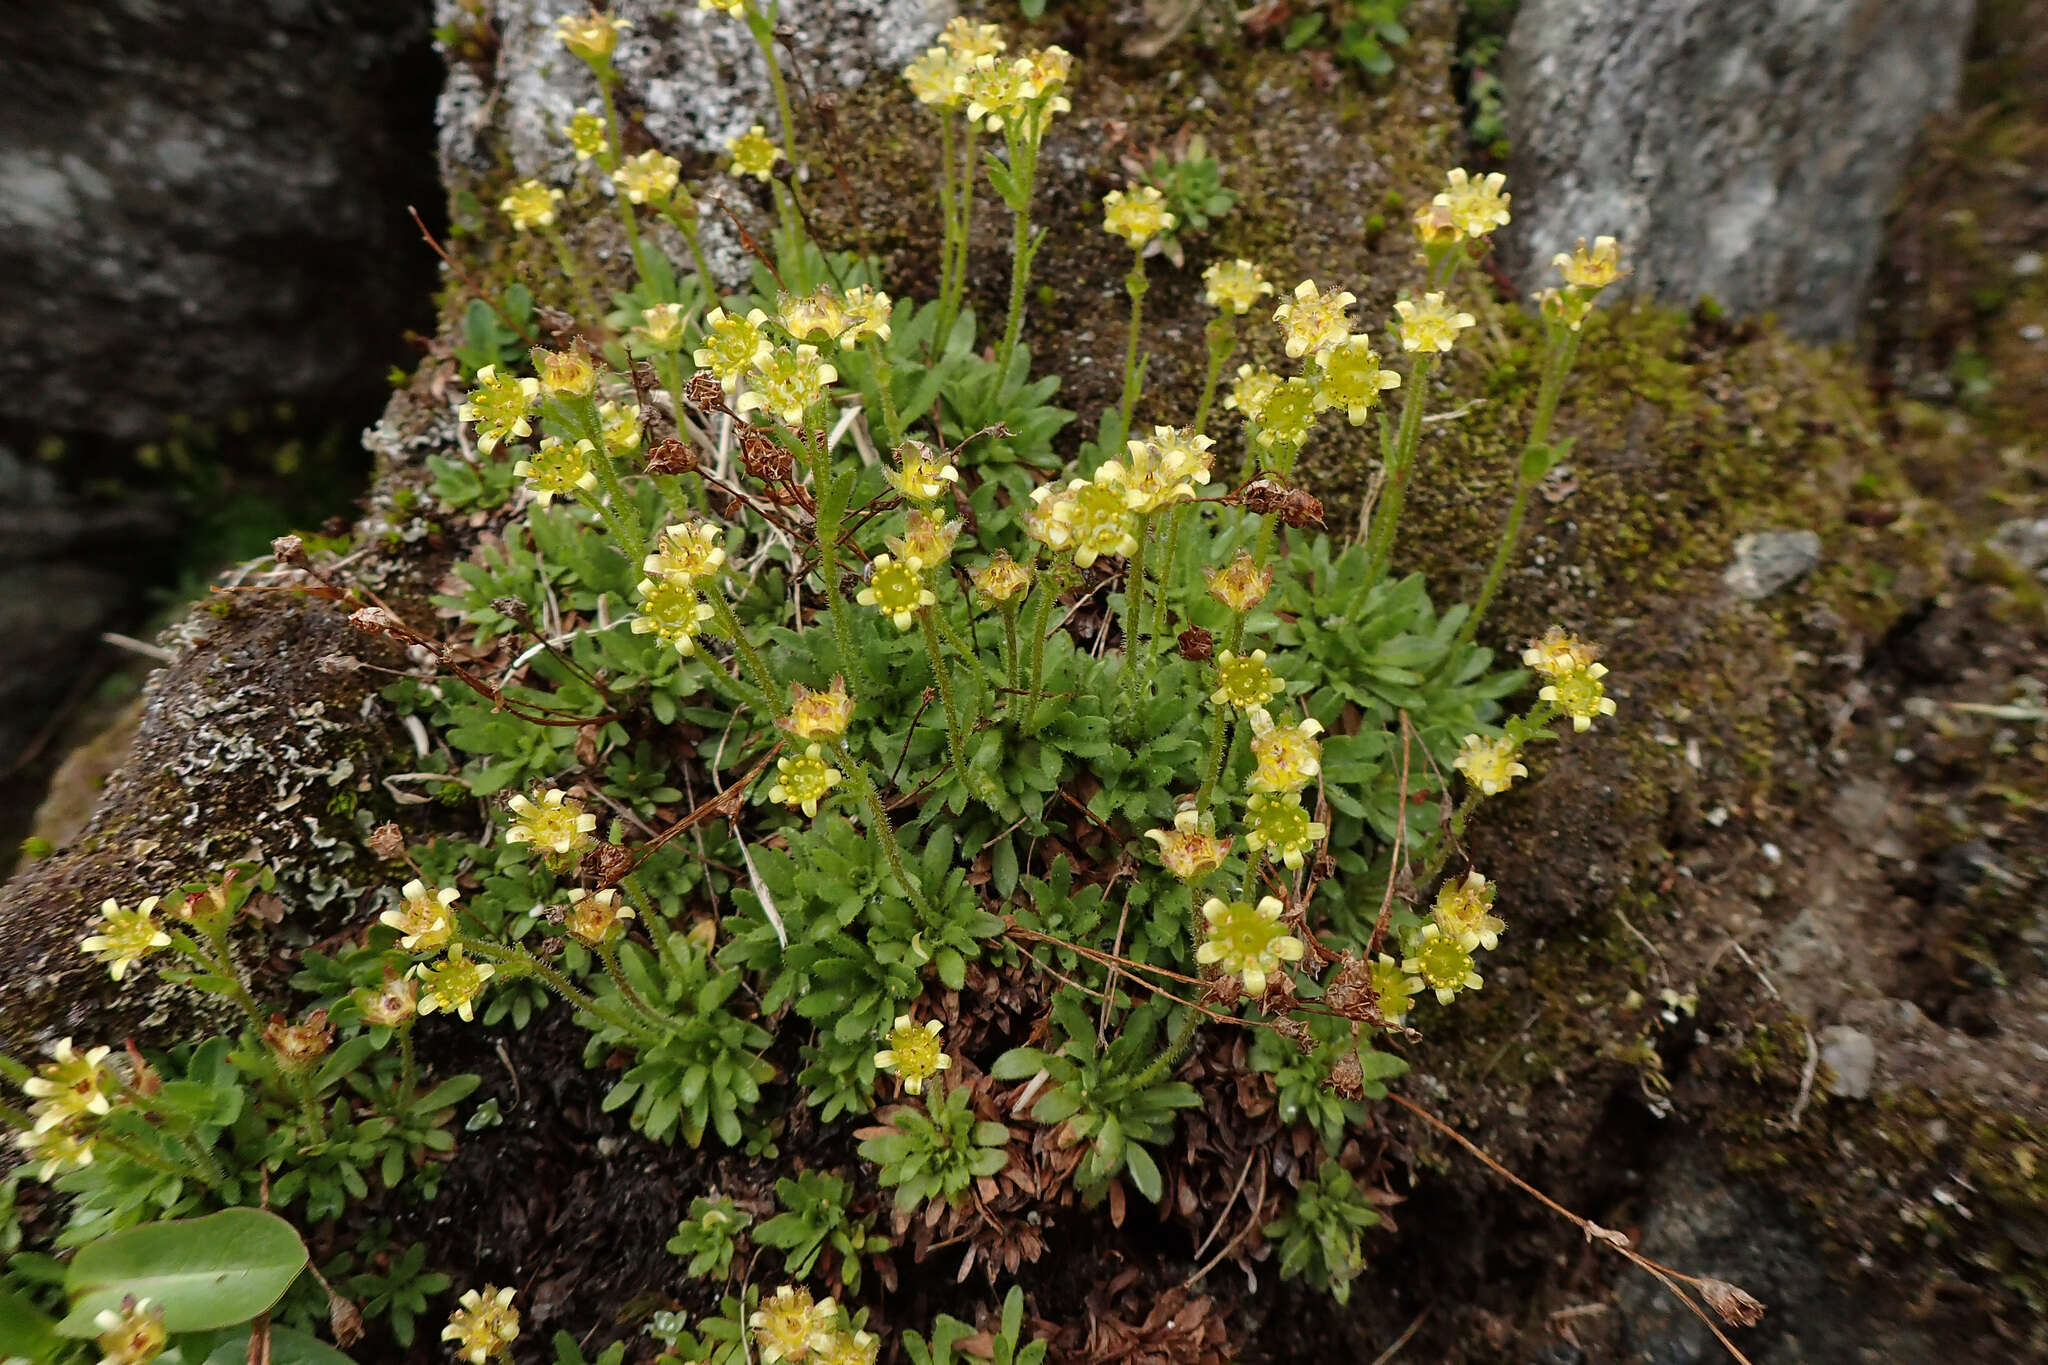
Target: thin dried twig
(1595,1233)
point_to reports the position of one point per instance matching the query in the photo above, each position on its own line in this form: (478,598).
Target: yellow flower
(1351,379)
(1098,521)
(686,549)
(1234,286)
(596,918)
(132,1335)
(970,41)
(818,715)
(1464,910)
(735,8)
(1491,765)
(1279,827)
(486,1324)
(1000,580)
(1048,519)
(556,824)
(850,1348)
(803,781)
(1394,988)
(1591,270)
(425,917)
(1190,850)
(1557,654)
(934,78)
(1581,696)
(649,178)
(1477,206)
(565,374)
(661,325)
(732,345)
(1290,414)
(995,91)
(913,1054)
(671,611)
(620,425)
(788,1326)
(453,984)
(1289,756)
(54,1151)
(1443,963)
(593,36)
(500,406)
(754,153)
(896,589)
(1137,216)
(1430,326)
(1244,680)
(1240,585)
(1254,389)
(1161,470)
(816,314)
(1435,225)
(927,542)
(530,205)
(585,134)
(1247,940)
(125,937)
(924,473)
(867,314)
(557,470)
(789,383)
(71,1085)
(1045,72)
(1313,321)
(393,1003)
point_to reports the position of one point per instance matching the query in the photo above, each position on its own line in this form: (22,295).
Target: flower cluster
(1574,671)
(968,69)
(484,1324)
(70,1093)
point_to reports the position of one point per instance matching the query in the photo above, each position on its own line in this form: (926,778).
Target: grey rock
(2024,541)
(1766,561)
(1852,1057)
(692,77)
(1743,149)
(202,206)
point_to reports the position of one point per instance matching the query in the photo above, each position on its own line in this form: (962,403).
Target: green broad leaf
(1144,1171)
(205,1273)
(286,1348)
(25,1330)
(452,1091)
(1017,1064)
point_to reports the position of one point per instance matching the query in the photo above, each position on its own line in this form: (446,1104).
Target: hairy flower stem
(1135,285)
(1222,338)
(687,226)
(892,424)
(1023,245)
(1043,599)
(949,218)
(12,1071)
(1008,611)
(956,742)
(565,261)
(143,1157)
(1535,464)
(1177,1048)
(658,931)
(520,960)
(878,823)
(624,520)
(967,185)
(1219,730)
(729,625)
(761,24)
(830,513)
(221,967)
(408,1066)
(614,133)
(610,957)
(1134,607)
(1165,575)
(1400,462)
(973,660)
